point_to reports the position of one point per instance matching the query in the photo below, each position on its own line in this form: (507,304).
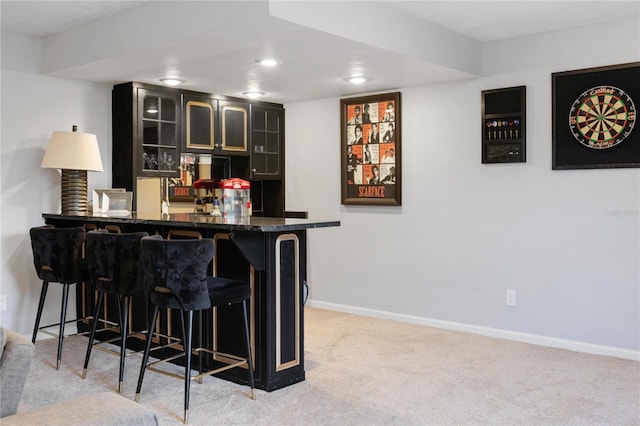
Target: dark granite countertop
(194,220)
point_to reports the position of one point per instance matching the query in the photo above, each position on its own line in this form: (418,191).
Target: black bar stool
(112,260)
(180,234)
(57,254)
(175,276)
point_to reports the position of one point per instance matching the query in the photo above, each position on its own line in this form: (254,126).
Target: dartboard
(602,117)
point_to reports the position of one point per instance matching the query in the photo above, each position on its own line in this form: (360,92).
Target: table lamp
(74,154)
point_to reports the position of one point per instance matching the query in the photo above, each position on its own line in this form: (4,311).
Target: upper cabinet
(158,132)
(267,136)
(146,133)
(200,124)
(218,127)
(155,127)
(234,128)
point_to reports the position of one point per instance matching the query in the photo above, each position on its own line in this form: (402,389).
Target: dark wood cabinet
(234,128)
(215,126)
(200,123)
(157,132)
(267,159)
(267,134)
(504,125)
(146,133)
(155,129)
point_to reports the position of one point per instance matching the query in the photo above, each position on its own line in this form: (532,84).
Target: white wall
(567,241)
(33,106)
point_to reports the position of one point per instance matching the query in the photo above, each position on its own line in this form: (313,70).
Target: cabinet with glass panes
(161,132)
(146,133)
(267,133)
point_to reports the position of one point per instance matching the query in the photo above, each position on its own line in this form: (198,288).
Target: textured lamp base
(73,196)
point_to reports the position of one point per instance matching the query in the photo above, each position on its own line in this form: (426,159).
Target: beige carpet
(366,371)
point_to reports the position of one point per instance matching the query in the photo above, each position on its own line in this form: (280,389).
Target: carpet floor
(367,371)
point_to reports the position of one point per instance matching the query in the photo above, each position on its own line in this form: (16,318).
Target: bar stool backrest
(174,272)
(181,234)
(114,258)
(57,253)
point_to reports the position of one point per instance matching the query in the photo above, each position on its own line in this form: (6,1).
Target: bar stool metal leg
(188,343)
(200,380)
(145,357)
(94,325)
(63,318)
(43,296)
(124,328)
(249,358)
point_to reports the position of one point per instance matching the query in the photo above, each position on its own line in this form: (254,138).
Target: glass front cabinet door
(158,130)
(267,134)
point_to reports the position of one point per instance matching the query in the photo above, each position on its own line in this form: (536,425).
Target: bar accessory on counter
(236,201)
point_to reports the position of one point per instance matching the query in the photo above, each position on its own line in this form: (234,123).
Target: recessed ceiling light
(171,81)
(253,94)
(267,62)
(356,79)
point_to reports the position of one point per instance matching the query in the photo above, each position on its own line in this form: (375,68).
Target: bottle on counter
(198,206)
(164,188)
(215,210)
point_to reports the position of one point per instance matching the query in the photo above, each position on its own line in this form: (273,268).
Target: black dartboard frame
(594,117)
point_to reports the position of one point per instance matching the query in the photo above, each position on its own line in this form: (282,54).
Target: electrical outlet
(511,298)
(3,302)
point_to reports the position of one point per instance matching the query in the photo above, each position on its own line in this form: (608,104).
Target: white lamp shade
(73,151)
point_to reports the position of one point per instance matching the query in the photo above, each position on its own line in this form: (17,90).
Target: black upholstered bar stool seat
(112,261)
(175,276)
(57,254)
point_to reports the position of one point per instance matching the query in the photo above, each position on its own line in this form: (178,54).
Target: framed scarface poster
(370,150)
(595,117)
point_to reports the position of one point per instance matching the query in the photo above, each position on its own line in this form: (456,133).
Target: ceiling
(213,45)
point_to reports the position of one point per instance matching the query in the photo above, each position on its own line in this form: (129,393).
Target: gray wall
(33,106)
(567,241)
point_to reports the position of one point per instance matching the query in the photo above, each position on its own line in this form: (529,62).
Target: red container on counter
(236,197)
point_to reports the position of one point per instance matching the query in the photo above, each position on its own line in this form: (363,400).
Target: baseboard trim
(535,339)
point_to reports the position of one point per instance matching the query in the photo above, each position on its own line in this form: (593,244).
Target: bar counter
(203,221)
(268,252)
